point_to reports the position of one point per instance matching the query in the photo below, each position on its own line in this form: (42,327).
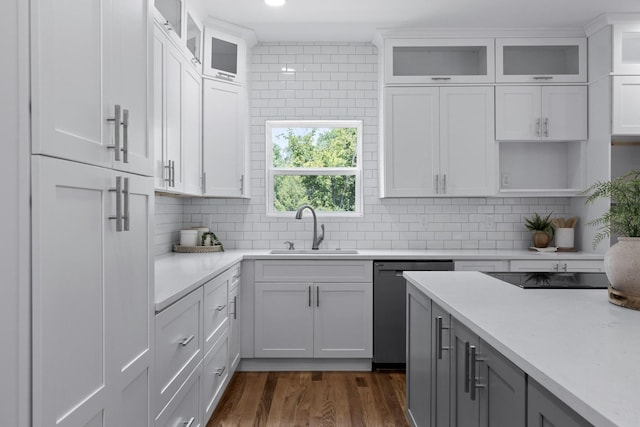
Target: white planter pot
(622,265)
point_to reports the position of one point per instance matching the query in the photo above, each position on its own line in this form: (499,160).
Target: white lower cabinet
(482,265)
(92,331)
(309,309)
(626,105)
(544,409)
(195,338)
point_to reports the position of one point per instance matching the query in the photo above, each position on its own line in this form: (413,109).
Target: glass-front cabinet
(439,61)
(170,12)
(541,60)
(224,57)
(626,49)
(194,39)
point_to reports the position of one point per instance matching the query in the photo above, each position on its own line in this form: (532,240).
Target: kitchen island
(573,343)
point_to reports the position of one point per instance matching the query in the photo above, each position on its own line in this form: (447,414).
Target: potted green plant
(542,229)
(622,260)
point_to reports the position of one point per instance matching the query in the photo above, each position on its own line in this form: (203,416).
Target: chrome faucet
(316,239)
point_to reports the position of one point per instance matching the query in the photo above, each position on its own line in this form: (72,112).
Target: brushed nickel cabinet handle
(472,372)
(189,423)
(444,183)
(220,307)
(546,126)
(125,136)
(317,296)
(220,371)
(118,215)
(538,126)
(126,215)
(439,329)
(466,366)
(440,78)
(309,296)
(436,183)
(116,132)
(185,342)
(543,78)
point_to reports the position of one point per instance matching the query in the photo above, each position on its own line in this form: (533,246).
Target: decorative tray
(197,249)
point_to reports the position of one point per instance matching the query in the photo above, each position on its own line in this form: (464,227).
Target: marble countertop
(177,274)
(575,343)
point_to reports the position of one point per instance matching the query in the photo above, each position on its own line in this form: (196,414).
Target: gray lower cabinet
(453,377)
(546,410)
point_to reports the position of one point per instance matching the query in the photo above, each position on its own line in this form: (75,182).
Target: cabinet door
(216,309)
(465,412)
(546,410)
(626,105)
(161,171)
(128,47)
(343,320)
(91,288)
(419,357)
(564,113)
(224,57)
(71,102)
(503,395)
(411,146)
(74,100)
(283,320)
(185,407)
(223,140)
(128,305)
(441,326)
(518,113)
(467,144)
(172,104)
(626,48)
(192,131)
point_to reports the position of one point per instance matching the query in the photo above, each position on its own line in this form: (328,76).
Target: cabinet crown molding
(390,33)
(605,19)
(247,34)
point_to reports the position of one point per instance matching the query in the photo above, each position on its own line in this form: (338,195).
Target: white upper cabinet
(224,139)
(541,60)
(534,113)
(427,152)
(90,92)
(626,105)
(224,56)
(170,14)
(626,49)
(438,61)
(193,38)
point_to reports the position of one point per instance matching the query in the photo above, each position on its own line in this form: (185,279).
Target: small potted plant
(542,230)
(622,260)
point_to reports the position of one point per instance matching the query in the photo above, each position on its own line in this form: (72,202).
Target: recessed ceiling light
(275,3)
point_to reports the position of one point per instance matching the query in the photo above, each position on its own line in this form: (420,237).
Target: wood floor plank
(291,399)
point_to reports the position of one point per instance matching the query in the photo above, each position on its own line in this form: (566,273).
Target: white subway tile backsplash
(340,81)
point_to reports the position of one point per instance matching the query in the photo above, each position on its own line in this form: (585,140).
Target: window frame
(271,171)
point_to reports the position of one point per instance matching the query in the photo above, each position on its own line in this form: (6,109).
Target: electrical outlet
(505,180)
(489,223)
(424,222)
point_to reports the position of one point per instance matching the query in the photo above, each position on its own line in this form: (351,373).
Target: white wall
(339,81)
(14,217)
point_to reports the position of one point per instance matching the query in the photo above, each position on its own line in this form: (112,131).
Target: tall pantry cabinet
(92,204)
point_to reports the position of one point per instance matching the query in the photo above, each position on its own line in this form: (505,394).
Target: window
(316,163)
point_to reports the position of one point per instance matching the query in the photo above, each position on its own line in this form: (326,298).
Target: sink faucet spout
(316,239)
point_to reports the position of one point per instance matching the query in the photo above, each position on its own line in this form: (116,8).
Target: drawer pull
(190,422)
(220,371)
(185,342)
(220,307)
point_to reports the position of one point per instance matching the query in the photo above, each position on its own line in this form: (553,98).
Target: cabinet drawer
(216,309)
(559,265)
(481,265)
(178,335)
(314,271)
(185,404)
(215,374)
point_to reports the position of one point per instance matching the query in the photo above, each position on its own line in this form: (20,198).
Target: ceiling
(356,20)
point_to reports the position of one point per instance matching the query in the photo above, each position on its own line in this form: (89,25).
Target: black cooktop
(555,280)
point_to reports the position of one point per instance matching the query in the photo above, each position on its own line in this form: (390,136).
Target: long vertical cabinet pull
(118,215)
(439,329)
(466,366)
(546,127)
(437,184)
(125,136)
(444,183)
(126,216)
(116,132)
(538,126)
(317,296)
(309,295)
(473,360)
(242,184)
(204,183)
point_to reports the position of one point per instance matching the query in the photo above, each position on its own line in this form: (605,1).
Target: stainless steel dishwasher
(389,309)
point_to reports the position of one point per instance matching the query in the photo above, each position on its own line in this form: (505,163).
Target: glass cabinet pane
(171,10)
(439,60)
(524,60)
(224,55)
(194,38)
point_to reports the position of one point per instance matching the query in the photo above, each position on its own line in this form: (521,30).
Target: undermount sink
(312,251)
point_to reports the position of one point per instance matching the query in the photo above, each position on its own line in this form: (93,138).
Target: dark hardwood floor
(339,399)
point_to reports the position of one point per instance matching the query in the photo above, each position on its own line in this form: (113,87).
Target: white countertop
(177,274)
(575,343)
